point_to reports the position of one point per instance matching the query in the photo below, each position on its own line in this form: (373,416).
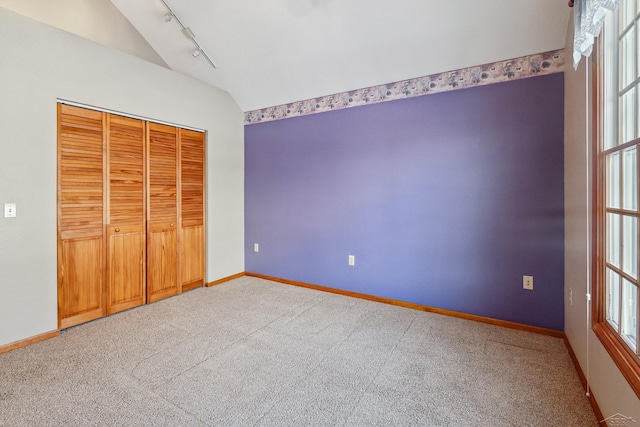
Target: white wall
(609,387)
(38,65)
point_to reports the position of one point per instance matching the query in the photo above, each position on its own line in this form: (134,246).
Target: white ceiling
(271,52)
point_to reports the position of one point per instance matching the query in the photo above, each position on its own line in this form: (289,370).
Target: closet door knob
(117,230)
(172,225)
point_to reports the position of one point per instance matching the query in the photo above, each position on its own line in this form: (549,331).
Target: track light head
(196,53)
(168,16)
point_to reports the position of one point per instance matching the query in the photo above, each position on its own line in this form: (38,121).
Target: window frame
(623,356)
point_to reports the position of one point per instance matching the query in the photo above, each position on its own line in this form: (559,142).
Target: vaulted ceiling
(271,52)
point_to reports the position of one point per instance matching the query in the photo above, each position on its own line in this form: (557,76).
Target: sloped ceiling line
(496,72)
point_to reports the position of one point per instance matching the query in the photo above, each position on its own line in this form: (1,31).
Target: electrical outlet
(256,248)
(527,283)
(352,260)
(570,296)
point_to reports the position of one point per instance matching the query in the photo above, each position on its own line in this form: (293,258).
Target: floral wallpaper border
(501,71)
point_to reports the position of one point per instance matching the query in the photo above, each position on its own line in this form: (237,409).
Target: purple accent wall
(445,200)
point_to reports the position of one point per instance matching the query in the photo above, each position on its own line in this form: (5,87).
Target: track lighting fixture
(188,33)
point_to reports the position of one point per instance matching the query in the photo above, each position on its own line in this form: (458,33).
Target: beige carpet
(253,352)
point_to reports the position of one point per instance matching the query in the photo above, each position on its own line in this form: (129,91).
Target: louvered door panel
(80,215)
(163,201)
(126,213)
(192,208)
(192,177)
(162,218)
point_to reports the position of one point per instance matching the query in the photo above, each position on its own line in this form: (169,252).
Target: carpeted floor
(253,352)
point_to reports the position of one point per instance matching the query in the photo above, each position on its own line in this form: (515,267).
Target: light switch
(9,210)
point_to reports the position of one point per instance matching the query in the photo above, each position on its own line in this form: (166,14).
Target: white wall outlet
(570,296)
(256,247)
(352,260)
(527,283)
(10,210)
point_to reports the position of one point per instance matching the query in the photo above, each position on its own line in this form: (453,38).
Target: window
(618,209)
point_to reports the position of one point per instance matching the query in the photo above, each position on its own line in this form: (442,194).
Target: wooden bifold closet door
(126,213)
(162,222)
(81,202)
(192,208)
(130,213)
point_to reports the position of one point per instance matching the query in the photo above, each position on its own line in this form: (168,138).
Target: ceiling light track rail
(169,16)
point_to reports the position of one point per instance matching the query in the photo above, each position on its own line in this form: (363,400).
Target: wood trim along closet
(130,213)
